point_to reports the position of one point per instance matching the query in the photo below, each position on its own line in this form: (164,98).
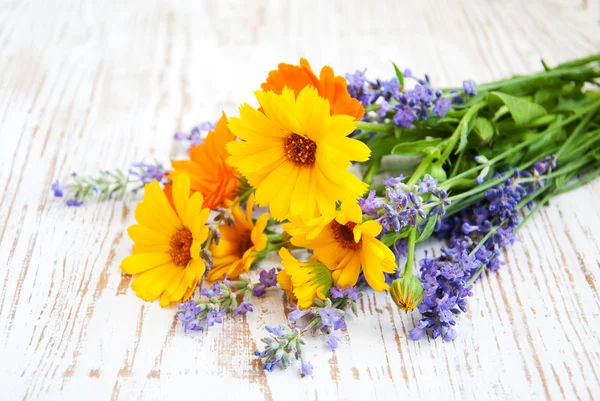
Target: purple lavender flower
(404,118)
(427,184)
(296,314)
(336,292)
(212,291)
(74,202)
(243,308)
(59,190)
(146,173)
(442,106)
(195,136)
(384,107)
(392,181)
(306,368)
(333,318)
(214,316)
(333,341)
(268,278)
(352,293)
(469,87)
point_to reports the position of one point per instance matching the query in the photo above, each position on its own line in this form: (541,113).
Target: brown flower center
(300,150)
(245,243)
(181,243)
(344,235)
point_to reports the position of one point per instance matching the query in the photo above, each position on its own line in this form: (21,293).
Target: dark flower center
(344,235)
(181,243)
(245,243)
(300,150)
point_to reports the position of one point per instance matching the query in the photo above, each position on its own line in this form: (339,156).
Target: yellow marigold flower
(346,245)
(296,154)
(309,280)
(208,171)
(285,283)
(166,253)
(239,244)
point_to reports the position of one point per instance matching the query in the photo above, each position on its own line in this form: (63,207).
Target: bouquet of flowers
(343,177)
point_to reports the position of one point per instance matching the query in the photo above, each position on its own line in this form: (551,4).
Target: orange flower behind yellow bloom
(209,173)
(329,86)
(239,244)
(346,245)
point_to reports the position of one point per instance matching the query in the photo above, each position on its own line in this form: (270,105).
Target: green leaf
(465,130)
(522,110)
(383,147)
(428,230)
(416,148)
(484,129)
(399,75)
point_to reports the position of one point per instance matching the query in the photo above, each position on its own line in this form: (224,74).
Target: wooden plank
(87,86)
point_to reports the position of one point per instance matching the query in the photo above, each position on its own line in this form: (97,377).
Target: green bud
(407,293)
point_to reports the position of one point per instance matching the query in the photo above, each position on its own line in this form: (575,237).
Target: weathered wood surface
(90,85)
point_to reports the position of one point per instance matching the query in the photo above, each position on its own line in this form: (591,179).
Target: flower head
(331,87)
(59,190)
(346,245)
(296,154)
(239,244)
(407,293)
(166,253)
(243,308)
(207,168)
(309,280)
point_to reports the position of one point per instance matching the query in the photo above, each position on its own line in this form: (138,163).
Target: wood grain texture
(90,85)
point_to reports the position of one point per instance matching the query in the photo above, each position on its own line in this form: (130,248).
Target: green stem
(412,238)
(372,170)
(421,168)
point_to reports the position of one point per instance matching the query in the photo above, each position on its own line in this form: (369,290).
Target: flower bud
(407,293)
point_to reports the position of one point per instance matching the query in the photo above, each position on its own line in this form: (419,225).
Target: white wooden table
(91,85)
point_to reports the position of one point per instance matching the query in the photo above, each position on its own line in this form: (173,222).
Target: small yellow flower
(239,244)
(407,293)
(305,280)
(296,154)
(166,253)
(346,245)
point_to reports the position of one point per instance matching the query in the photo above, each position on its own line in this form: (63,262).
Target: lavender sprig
(221,299)
(196,134)
(282,346)
(109,183)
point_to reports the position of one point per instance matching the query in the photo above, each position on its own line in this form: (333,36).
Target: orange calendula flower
(296,154)
(166,253)
(207,168)
(239,244)
(329,86)
(346,245)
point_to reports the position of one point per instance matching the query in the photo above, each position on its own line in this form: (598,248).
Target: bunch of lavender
(196,134)
(475,238)
(405,107)
(222,298)
(109,183)
(282,346)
